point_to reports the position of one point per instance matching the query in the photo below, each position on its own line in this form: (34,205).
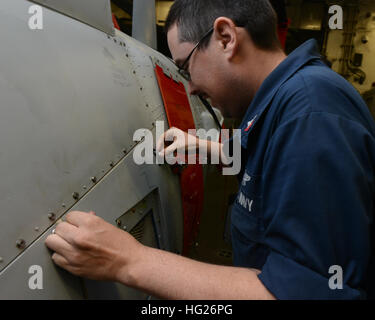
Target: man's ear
(225,33)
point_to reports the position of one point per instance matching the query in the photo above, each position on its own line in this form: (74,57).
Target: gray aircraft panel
(121,190)
(71,98)
(141,58)
(96,13)
(76,104)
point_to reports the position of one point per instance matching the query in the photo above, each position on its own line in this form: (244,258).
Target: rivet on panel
(75,195)
(93,179)
(36,229)
(20,243)
(51,216)
(1,259)
(84,187)
(125,228)
(124,151)
(63,205)
(111,164)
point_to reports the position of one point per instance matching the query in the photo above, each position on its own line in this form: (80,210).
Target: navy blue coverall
(306,197)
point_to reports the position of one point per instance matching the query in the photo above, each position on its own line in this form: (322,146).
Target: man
(308,153)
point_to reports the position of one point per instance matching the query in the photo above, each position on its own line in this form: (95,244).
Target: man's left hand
(88,246)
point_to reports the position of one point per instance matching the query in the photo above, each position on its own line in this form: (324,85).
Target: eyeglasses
(182,71)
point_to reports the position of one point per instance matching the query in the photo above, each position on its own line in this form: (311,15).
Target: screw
(75,195)
(20,243)
(51,216)
(1,260)
(124,151)
(36,228)
(93,179)
(63,205)
(84,187)
(111,164)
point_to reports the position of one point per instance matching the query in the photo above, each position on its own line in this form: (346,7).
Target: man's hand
(179,141)
(183,143)
(87,246)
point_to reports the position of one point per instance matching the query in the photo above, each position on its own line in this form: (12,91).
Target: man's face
(207,77)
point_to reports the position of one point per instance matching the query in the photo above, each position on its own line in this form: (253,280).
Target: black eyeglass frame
(181,69)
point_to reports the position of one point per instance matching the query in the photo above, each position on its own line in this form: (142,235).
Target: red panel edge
(179,115)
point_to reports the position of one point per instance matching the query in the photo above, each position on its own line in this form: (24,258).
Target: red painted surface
(180,116)
(282,31)
(115,23)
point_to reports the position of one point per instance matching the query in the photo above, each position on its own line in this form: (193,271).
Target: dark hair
(195,17)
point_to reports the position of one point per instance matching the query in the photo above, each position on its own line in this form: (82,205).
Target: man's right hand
(175,140)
